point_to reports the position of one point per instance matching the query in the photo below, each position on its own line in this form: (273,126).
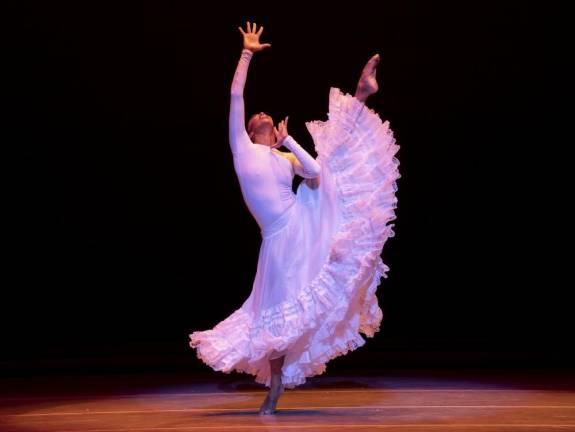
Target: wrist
(247,53)
(287,142)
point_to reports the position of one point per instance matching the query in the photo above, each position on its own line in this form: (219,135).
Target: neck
(265,139)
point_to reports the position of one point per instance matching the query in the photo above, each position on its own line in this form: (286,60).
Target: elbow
(314,171)
(236,89)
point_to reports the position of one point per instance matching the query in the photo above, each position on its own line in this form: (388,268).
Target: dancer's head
(262,125)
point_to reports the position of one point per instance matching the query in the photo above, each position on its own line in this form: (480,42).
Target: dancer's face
(260,124)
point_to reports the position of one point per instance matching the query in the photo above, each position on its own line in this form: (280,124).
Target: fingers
(282,126)
(253,28)
(242,31)
(266,45)
(276,133)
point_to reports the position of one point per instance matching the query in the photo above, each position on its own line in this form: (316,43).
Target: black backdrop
(128,230)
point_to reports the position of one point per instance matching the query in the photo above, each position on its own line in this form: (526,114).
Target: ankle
(361,95)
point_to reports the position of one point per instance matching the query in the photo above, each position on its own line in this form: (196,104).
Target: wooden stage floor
(402,401)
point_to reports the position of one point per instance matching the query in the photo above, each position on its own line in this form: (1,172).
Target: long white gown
(319,262)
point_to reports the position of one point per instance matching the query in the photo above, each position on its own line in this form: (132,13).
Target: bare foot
(367,84)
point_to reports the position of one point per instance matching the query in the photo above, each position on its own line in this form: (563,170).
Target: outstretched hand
(252,38)
(281,132)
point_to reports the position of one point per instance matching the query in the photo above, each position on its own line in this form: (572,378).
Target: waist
(279,223)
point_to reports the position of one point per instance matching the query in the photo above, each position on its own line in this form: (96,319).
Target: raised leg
(367,84)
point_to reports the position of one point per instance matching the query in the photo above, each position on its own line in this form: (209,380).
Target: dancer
(319,263)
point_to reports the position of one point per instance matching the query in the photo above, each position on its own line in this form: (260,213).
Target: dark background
(127,229)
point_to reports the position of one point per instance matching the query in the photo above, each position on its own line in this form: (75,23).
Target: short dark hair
(248,128)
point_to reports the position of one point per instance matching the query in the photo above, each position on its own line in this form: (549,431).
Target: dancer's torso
(265,178)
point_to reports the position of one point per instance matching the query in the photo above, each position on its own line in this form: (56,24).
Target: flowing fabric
(319,262)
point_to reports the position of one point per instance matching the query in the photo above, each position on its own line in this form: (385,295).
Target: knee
(276,365)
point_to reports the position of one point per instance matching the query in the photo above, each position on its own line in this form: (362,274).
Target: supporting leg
(269,404)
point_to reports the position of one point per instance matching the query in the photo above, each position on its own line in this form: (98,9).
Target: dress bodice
(266,178)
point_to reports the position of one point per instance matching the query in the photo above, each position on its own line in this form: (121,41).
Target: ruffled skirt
(319,263)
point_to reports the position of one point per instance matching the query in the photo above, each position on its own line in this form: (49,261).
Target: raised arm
(303,163)
(238,135)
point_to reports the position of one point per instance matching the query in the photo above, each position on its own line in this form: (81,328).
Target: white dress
(319,262)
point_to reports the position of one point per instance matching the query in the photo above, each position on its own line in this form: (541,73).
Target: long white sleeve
(238,135)
(304,164)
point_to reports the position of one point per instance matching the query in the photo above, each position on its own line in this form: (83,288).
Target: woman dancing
(319,263)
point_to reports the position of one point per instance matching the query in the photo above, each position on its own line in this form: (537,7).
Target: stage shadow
(286,412)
